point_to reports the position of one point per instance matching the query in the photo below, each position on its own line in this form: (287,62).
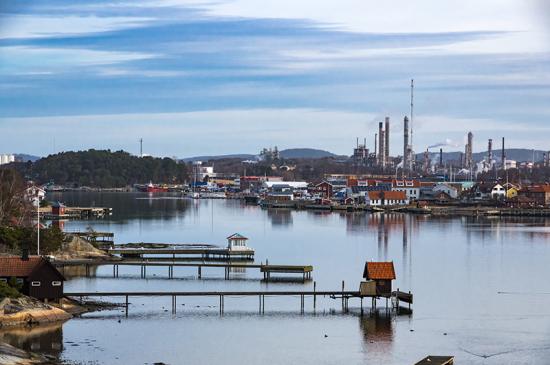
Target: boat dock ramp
(267,269)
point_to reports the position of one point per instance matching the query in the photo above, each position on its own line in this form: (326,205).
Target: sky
(204,77)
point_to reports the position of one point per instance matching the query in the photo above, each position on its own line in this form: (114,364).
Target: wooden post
(361,306)
(314,295)
(343,285)
(126,306)
(200,272)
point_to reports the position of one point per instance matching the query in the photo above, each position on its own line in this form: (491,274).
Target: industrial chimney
(441,157)
(387,141)
(503,157)
(381,147)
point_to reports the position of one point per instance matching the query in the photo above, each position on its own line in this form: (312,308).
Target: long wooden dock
(80,213)
(204,253)
(334,294)
(267,269)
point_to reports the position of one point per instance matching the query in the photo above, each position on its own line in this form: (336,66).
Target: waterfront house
(37,276)
(540,194)
(386,198)
(410,187)
(498,192)
(451,191)
(324,189)
(378,276)
(35,194)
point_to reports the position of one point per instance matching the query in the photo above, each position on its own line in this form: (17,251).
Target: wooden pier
(79,213)
(334,294)
(203,253)
(266,269)
(103,238)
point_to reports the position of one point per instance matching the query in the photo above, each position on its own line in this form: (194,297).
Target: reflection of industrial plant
(388,227)
(280,217)
(377,330)
(45,339)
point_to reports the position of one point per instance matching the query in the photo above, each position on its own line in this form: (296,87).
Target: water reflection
(45,339)
(280,217)
(377,330)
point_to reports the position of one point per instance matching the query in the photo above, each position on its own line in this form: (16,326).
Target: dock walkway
(334,294)
(266,269)
(204,253)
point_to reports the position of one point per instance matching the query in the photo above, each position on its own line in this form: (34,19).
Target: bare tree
(15,209)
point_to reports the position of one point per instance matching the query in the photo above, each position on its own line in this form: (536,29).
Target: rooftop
(379,271)
(237,236)
(14,266)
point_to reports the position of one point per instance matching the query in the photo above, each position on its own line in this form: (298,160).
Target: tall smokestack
(357,143)
(387,141)
(375,147)
(406,156)
(490,152)
(469,151)
(441,157)
(503,157)
(381,148)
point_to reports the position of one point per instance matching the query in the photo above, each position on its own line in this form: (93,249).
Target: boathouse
(58,208)
(37,276)
(378,276)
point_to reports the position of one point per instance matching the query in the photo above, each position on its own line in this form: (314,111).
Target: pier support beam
(314,296)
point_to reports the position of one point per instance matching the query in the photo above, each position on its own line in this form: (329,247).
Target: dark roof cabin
(38,277)
(382,274)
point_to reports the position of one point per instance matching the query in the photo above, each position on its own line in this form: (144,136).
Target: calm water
(481,289)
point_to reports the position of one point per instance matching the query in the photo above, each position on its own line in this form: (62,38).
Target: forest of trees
(103,168)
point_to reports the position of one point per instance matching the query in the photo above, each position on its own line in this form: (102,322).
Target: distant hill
(219,157)
(517,154)
(22,157)
(288,153)
(305,153)
(103,168)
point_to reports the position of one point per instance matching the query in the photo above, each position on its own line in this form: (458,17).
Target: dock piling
(314,295)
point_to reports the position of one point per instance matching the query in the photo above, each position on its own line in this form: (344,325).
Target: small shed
(237,242)
(381,274)
(38,277)
(58,208)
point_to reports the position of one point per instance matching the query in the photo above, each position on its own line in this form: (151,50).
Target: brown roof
(13,266)
(379,271)
(538,189)
(388,195)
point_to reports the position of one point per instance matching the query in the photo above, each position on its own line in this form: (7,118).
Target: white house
(35,194)
(384,198)
(447,189)
(411,188)
(292,184)
(498,191)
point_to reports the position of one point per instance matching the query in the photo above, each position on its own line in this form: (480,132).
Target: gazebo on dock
(237,242)
(378,276)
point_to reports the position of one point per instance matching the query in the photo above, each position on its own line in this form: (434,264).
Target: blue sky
(212,77)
